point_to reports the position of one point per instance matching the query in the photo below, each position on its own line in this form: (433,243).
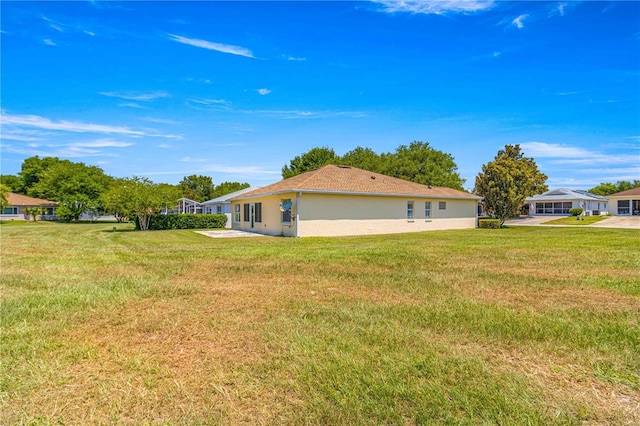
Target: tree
(227,188)
(34,212)
(609,188)
(14,183)
(363,158)
(423,164)
(4,196)
(507,181)
(310,160)
(197,187)
(33,168)
(139,198)
(76,186)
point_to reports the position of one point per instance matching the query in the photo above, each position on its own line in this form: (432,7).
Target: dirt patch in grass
(520,297)
(563,378)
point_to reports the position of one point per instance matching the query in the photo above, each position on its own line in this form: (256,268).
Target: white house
(18,203)
(222,205)
(559,201)
(341,200)
(625,203)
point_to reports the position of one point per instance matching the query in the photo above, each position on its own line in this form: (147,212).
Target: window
(258,212)
(410,210)
(285,208)
(442,205)
(553,208)
(624,206)
(236,216)
(10,210)
(219,209)
(427,209)
(246,212)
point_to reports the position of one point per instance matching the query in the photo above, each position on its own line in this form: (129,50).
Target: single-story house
(342,200)
(222,205)
(18,203)
(626,202)
(559,201)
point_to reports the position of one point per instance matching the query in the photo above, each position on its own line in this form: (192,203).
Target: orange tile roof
(23,200)
(633,191)
(345,179)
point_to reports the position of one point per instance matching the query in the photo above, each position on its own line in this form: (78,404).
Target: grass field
(524,325)
(572,220)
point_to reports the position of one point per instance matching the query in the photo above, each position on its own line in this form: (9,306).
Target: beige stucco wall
(340,215)
(271,216)
(613,203)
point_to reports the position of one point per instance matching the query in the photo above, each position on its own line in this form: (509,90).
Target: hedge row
(489,223)
(161,222)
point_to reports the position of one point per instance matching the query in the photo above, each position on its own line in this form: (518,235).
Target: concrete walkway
(626,222)
(229,233)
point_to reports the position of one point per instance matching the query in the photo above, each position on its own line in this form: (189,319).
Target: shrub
(160,222)
(489,223)
(575,211)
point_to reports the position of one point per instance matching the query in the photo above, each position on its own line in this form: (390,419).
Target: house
(626,202)
(342,200)
(222,205)
(559,201)
(17,205)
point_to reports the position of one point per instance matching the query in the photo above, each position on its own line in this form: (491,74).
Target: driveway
(229,233)
(628,222)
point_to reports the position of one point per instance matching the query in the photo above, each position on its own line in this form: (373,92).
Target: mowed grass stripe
(511,326)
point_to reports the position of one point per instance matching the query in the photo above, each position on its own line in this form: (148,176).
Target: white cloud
(137,96)
(571,155)
(264,91)
(519,21)
(209,45)
(48,42)
(38,122)
(435,7)
(101,143)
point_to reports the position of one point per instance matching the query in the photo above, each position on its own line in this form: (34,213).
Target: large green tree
(363,158)
(310,160)
(423,164)
(76,186)
(227,188)
(505,182)
(139,198)
(4,196)
(197,187)
(33,169)
(14,183)
(608,188)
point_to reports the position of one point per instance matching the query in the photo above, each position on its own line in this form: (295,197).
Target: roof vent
(373,177)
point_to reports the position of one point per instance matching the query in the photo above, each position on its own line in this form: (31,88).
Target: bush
(489,223)
(576,211)
(161,222)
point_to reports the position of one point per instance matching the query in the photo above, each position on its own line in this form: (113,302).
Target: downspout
(297,212)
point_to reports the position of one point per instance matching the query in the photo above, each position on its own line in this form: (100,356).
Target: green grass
(573,220)
(523,325)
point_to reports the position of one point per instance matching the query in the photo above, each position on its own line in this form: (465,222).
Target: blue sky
(234,90)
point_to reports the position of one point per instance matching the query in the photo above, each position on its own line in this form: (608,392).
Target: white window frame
(236,215)
(427,209)
(442,205)
(410,211)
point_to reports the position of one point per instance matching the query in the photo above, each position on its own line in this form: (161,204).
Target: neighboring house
(559,201)
(187,206)
(626,202)
(17,203)
(341,200)
(222,205)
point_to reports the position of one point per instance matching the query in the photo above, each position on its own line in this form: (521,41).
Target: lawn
(523,325)
(573,220)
